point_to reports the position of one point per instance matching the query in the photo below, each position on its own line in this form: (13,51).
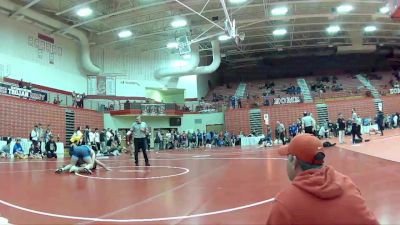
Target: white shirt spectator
(97,137)
(34,135)
(91,137)
(108,135)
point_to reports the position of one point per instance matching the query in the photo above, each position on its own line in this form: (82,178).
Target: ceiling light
(384,10)
(172,45)
(125,34)
(333,29)
(344,8)
(178,23)
(279,11)
(370,28)
(279,32)
(187,56)
(84,12)
(224,37)
(237,1)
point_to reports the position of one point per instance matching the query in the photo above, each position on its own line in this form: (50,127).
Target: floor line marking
(162,193)
(265,201)
(185,171)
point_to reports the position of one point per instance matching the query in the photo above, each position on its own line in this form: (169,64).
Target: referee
(308,123)
(139,131)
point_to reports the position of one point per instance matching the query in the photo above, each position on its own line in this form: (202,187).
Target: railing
(105,105)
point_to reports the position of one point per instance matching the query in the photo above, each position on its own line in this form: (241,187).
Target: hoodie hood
(322,183)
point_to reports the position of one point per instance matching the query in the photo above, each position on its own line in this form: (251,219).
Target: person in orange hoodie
(318,194)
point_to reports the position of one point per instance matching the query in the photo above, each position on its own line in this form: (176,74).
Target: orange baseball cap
(306,148)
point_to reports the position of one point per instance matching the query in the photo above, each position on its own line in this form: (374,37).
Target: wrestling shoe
(87,171)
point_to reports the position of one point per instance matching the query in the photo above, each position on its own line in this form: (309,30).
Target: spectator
(97,138)
(74,99)
(35,152)
(342,127)
(47,134)
(330,197)
(5,150)
(380,120)
(21,84)
(51,148)
(127,105)
(34,136)
(18,151)
(57,100)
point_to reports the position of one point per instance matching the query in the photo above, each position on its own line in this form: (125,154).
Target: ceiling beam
(210,21)
(240,21)
(257,28)
(116,13)
(27,6)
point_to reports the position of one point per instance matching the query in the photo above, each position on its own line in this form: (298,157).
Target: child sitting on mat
(5,150)
(18,151)
(35,152)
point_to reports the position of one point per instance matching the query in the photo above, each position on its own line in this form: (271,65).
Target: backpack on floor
(328,144)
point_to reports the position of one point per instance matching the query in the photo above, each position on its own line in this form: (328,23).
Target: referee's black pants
(308,130)
(140,143)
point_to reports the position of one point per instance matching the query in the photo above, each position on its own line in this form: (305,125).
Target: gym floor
(219,186)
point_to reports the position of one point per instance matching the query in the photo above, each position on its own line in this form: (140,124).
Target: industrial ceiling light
(172,45)
(125,34)
(279,32)
(384,10)
(370,28)
(84,12)
(279,11)
(178,23)
(344,8)
(237,1)
(224,37)
(333,29)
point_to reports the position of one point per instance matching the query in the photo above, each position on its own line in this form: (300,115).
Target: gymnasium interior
(222,86)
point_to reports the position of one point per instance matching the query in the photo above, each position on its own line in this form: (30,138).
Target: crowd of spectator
(323,84)
(173,139)
(43,144)
(106,142)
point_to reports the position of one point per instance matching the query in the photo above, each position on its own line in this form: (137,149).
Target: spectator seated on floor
(35,152)
(18,151)
(5,150)
(51,148)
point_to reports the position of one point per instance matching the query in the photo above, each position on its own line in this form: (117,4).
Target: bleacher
(222,91)
(383,85)
(350,85)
